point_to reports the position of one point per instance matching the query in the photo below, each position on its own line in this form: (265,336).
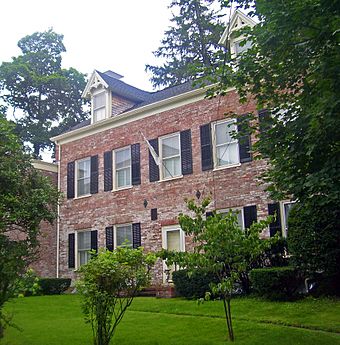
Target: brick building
(46,263)
(117,188)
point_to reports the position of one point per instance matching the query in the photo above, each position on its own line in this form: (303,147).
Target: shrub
(193,285)
(27,284)
(54,286)
(314,244)
(276,283)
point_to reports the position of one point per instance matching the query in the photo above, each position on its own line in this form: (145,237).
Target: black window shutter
(136,235)
(186,152)
(94,175)
(244,143)
(153,167)
(154,215)
(275,226)
(206,147)
(264,120)
(71,251)
(94,240)
(135,164)
(108,171)
(70,180)
(109,238)
(250,215)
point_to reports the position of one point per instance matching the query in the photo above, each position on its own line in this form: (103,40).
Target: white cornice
(133,115)
(46,166)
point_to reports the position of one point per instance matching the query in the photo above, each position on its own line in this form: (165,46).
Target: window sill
(122,188)
(82,196)
(171,178)
(227,167)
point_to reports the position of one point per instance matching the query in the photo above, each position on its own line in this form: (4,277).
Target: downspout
(58,210)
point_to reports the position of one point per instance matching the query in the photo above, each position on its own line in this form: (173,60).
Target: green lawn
(57,320)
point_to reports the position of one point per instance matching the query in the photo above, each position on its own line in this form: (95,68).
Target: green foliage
(27,284)
(221,247)
(26,198)
(193,284)
(276,283)
(108,283)
(314,240)
(46,99)
(190,44)
(293,66)
(54,286)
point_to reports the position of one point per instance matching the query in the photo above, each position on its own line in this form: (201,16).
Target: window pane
(170,146)
(227,154)
(123,158)
(287,208)
(171,167)
(242,49)
(123,177)
(173,240)
(84,240)
(124,233)
(99,114)
(99,100)
(238,214)
(84,168)
(223,132)
(83,187)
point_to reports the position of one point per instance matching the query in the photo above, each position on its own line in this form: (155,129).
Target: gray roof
(140,97)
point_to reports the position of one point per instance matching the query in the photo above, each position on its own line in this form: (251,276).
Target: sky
(102,34)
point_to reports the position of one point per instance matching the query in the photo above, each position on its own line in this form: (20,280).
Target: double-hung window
(170,153)
(286,207)
(122,161)
(242,46)
(99,106)
(83,173)
(226,151)
(123,236)
(238,212)
(83,247)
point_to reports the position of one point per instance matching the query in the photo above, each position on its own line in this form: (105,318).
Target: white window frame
(76,177)
(214,142)
(165,230)
(162,166)
(233,209)
(77,261)
(107,104)
(115,235)
(284,221)
(114,174)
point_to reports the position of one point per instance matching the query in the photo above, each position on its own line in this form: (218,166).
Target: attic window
(99,106)
(239,49)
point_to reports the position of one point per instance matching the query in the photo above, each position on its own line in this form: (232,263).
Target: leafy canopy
(45,98)
(189,44)
(26,198)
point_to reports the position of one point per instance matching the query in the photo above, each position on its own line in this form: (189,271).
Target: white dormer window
(241,48)
(99,106)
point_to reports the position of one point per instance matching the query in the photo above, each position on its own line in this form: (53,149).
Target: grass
(55,320)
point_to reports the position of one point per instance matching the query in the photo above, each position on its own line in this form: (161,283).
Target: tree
(221,248)
(108,283)
(45,98)
(292,69)
(26,198)
(188,45)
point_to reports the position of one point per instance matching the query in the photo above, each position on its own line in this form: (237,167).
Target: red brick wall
(46,264)
(120,105)
(231,187)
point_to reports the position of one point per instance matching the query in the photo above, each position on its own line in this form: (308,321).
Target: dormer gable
(237,21)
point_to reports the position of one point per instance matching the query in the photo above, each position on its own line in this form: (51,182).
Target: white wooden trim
(45,166)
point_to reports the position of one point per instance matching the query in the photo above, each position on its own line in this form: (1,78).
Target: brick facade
(229,187)
(46,263)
